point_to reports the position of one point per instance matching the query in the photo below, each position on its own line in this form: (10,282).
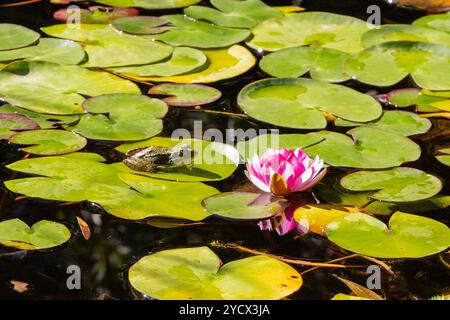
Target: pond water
(116,244)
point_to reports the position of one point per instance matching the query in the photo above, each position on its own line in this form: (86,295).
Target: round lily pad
(49,142)
(13,36)
(149,4)
(140,24)
(396,185)
(56,89)
(299,103)
(42,235)
(222,64)
(186,95)
(48,49)
(242,205)
(404,32)
(44,121)
(415,97)
(183,60)
(121,117)
(407,236)
(322,63)
(106,47)
(234,14)
(439,22)
(388,63)
(82,176)
(11,123)
(155,198)
(198,34)
(198,274)
(310,28)
(212,161)
(331,191)
(444,156)
(401,122)
(362,147)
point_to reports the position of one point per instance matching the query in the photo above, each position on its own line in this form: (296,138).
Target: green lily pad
(121,117)
(331,191)
(186,95)
(401,122)
(363,147)
(322,63)
(414,97)
(49,142)
(106,47)
(149,4)
(234,14)
(198,274)
(42,235)
(183,60)
(321,29)
(13,36)
(404,32)
(56,89)
(299,103)
(48,49)
(444,156)
(198,34)
(11,123)
(395,185)
(80,177)
(44,121)
(212,160)
(439,22)
(140,24)
(388,63)
(155,198)
(242,205)
(408,236)
(222,64)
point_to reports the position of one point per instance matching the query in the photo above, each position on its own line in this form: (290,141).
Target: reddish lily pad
(10,123)
(186,95)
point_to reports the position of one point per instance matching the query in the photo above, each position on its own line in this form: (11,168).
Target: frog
(154,158)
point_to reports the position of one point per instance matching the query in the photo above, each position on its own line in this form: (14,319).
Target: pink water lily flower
(284,171)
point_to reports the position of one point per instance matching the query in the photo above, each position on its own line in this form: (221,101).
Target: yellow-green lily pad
(13,36)
(406,236)
(49,142)
(198,274)
(42,235)
(48,49)
(223,64)
(50,88)
(183,60)
(299,103)
(395,185)
(121,117)
(321,29)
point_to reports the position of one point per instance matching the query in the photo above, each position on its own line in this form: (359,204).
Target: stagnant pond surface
(116,244)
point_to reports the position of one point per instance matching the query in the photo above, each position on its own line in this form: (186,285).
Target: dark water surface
(116,244)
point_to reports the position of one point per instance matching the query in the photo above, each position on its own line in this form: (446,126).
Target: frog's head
(182,154)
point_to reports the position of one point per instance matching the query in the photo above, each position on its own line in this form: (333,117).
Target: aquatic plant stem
(223,113)
(21,3)
(238,247)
